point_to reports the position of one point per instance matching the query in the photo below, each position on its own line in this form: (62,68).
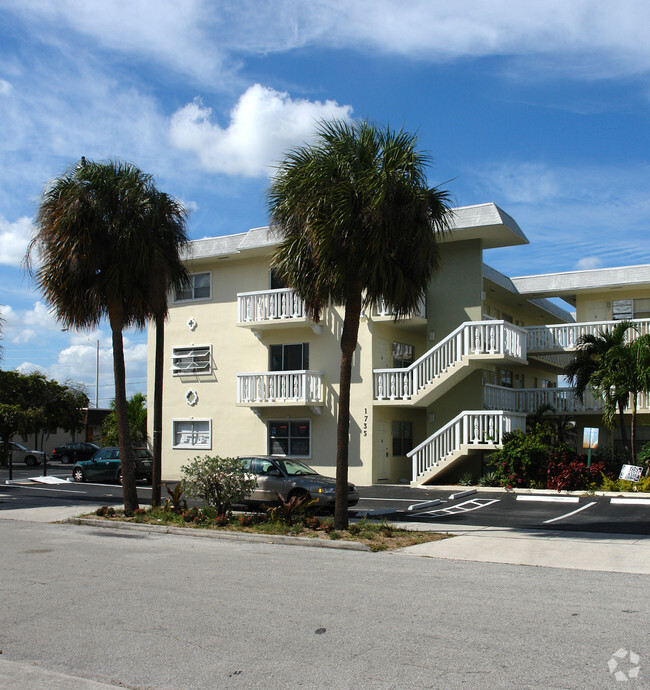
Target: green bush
(220,482)
(489,479)
(465,479)
(523,458)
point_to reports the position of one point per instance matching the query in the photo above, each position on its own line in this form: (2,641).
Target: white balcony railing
(562,400)
(565,336)
(264,306)
(467,428)
(473,338)
(280,387)
(382,309)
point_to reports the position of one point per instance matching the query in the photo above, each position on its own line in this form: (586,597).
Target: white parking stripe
(42,488)
(549,499)
(573,512)
(631,501)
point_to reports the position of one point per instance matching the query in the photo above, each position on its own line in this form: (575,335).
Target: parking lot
(622,514)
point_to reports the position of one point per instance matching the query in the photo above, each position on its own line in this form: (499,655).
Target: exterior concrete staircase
(470,430)
(466,348)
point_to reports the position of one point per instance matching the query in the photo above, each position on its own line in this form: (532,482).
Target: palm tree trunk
(621,414)
(123,431)
(633,429)
(157,412)
(349,339)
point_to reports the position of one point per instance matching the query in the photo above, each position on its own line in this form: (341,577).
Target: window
(293,357)
(192,433)
(505,378)
(547,384)
(192,360)
(642,308)
(402,355)
(276,282)
(506,317)
(402,437)
(290,438)
(198,288)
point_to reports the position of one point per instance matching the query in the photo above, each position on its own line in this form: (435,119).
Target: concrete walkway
(619,553)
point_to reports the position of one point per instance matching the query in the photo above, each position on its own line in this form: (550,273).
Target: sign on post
(590,437)
(589,441)
(631,473)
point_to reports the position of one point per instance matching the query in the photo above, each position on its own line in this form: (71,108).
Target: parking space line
(549,499)
(466,506)
(573,512)
(43,488)
(631,501)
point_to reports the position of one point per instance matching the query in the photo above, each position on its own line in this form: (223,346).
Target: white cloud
(263,125)
(14,238)
(588,262)
(205,40)
(5,87)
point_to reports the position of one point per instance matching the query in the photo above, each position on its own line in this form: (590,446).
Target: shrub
(221,520)
(175,503)
(101,511)
(466,479)
(312,522)
(523,457)
(567,471)
(220,482)
(246,520)
(286,511)
(489,479)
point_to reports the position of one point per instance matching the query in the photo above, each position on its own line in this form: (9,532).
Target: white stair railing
(467,428)
(565,336)
(279,386)
(470,338)
(269,305)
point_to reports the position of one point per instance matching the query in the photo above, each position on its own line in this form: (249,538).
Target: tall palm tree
(359,224)
(585,369)
(170,275)
(100,244)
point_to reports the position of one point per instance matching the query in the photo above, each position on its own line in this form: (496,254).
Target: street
(163,611)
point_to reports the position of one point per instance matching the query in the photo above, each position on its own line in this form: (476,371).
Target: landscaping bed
(377,536)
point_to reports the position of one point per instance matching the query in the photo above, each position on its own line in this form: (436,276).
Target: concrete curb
(229,536)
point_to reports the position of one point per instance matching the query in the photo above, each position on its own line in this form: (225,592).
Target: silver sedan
(289,477)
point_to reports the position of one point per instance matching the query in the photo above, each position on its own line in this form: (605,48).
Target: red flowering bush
(567,471)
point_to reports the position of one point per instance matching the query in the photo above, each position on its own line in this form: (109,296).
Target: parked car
(290,477)
(105,465)
(21,454)
(74,451)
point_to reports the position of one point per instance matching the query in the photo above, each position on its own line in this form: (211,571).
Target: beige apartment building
(248,373)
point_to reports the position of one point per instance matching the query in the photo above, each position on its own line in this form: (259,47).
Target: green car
(105,466)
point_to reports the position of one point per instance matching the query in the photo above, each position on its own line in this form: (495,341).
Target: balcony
(280,388)
(417,317)
(562,400)
(563,337)
(271,309)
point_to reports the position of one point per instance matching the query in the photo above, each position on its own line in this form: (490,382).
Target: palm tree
(136,410)
(625,374)
(100,245)
(358,224)
(584,370)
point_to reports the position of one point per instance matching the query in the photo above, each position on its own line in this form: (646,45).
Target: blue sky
(540,107)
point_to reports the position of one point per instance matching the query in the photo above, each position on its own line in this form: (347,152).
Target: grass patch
(380,536)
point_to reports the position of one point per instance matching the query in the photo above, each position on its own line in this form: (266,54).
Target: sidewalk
(619,553)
